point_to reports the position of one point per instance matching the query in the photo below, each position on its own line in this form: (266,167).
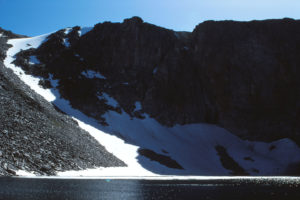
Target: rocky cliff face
(37,138)
(240,75)
(250,75)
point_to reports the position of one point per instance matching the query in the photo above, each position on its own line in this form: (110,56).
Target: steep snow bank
(24,44)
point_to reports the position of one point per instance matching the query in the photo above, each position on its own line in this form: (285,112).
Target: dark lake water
(93,189)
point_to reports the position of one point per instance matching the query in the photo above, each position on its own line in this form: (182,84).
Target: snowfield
(191,146)
(92,74)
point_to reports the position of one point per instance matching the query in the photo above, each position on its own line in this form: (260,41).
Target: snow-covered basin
(192,146)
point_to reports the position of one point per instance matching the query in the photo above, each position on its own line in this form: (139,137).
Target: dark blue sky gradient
(35,17)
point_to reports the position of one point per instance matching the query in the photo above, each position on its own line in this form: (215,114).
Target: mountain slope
(150,86)
(35,137)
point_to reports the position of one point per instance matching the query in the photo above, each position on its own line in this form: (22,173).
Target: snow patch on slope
(34,60)
(92,74)
(66,42)
(84,30)
(24,44)
(25,173)
(138,106)
(67,30)
(109,100)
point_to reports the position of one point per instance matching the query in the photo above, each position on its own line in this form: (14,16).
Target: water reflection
(94,189)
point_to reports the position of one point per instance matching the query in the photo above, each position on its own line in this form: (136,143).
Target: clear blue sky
(35,17)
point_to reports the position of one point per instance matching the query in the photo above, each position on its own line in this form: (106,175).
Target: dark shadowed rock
(162,159)
(228,162)
(249,72)
(133,20)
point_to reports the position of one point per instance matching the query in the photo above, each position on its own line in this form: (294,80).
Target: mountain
(223,99)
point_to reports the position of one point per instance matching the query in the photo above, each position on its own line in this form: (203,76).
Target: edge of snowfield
(192,146)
